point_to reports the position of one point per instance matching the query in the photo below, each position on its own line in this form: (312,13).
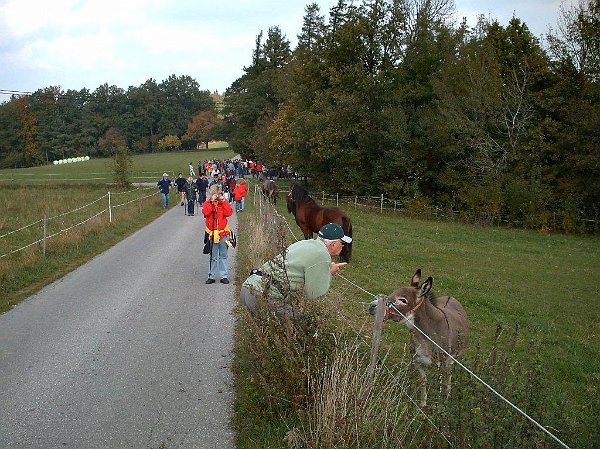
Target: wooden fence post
(381,208)
(377,325)
(109,209)
(45,233)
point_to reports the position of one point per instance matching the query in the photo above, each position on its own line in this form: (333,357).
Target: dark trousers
(190,206)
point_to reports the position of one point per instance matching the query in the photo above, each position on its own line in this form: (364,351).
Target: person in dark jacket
(201,186)
(163,186)
(180,183)
(190,195)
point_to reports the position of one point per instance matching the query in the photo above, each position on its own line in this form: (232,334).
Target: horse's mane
(299,194)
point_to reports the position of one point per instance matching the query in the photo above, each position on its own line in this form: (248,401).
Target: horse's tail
(347,250)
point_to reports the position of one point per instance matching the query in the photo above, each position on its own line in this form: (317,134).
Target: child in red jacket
(239,193)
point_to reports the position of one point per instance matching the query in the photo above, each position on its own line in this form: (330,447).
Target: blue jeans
(165,200)
(219,252)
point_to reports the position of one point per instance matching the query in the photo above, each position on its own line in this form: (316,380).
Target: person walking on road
(239,194)
(180,183)
(163,186)
(190,195)
(201,186)
(216,210)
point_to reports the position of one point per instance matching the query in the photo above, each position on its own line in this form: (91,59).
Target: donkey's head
(403,302)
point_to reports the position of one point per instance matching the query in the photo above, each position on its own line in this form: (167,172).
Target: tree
(573,125)
(114,143)
(202,129)
(28,121)
(252,101)
(169,143)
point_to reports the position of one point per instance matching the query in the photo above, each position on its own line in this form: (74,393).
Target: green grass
(146,167)
(547,285)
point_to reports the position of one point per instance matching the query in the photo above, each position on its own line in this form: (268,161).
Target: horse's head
(404,302)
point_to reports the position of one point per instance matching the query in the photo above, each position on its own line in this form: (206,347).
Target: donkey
(442,319)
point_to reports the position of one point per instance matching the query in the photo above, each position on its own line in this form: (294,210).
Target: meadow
(59,192)
(145,168)
(532,302)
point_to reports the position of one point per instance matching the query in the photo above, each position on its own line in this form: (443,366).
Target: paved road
(131,350)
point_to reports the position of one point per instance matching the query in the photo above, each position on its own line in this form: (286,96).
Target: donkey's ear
(426,287)
(416,278)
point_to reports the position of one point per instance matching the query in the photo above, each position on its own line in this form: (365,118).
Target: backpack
(232,239)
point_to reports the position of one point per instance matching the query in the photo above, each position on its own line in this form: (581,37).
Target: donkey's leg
(423,378)
(448,369)
(423,360)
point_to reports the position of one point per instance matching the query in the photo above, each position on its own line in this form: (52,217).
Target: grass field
(146,167)
(547,286)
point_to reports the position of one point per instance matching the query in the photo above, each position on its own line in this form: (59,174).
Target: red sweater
(215,216)
(240,191)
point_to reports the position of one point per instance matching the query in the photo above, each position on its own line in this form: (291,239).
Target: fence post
(394,205)
(109,209)
(355,200)
(337,200)
(45,233)
(140,200)
(322,196)
(381,208)
(377,325)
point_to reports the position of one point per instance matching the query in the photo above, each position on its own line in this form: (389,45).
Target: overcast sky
(86,43)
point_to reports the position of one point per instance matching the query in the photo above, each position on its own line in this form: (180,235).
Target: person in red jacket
(216,210)
(239,193)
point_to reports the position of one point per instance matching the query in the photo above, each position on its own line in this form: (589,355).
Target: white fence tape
(62,231)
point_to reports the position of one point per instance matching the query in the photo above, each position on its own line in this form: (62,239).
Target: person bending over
(304,266)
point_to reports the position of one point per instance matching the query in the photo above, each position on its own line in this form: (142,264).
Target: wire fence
(266,208)
(384,204)
(41,231)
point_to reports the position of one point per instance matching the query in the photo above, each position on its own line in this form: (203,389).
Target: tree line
(52,124)
(387,97)
(393,97)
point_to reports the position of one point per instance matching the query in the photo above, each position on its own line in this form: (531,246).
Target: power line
(14,92)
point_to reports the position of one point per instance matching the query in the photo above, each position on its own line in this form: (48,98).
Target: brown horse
(310,217)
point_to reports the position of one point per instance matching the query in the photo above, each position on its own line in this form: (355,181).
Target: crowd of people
(217,185)
(307,264)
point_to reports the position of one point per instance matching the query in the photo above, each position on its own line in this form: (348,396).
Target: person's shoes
(210,281)
(224,281)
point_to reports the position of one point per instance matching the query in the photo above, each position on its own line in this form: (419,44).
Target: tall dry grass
(348,410)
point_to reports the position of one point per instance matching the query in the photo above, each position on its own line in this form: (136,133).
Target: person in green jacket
(305,265)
